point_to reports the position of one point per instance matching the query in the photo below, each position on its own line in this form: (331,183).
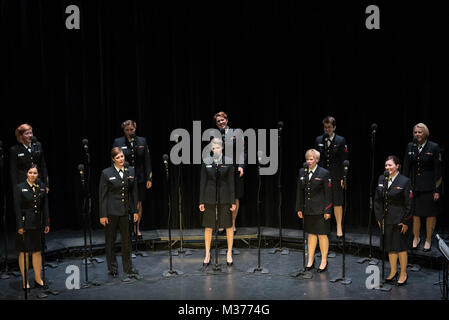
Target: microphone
(85,144)
(165,158)
(81,170)
(373,128)
(386,174)
(345,166)
(280,125)
(33,140)
(306,168)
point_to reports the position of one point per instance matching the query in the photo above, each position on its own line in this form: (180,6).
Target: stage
(233,283)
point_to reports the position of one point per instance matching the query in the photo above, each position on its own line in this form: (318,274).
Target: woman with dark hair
(26,152)
(208,193)
(118,198)
(392,207)
(137,154)
(422,164)
(314,204)
(31,208)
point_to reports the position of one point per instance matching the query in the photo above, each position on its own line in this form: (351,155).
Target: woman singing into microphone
(395,212)
(137,154)
(31,208)
(314,204)
(208,197)
(118,198)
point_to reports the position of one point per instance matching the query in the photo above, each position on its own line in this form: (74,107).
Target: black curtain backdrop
(165,64)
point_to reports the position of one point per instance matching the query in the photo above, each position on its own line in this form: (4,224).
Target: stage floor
(234,283)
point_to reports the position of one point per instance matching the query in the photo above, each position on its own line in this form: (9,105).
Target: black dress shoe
(339,237)
(322,270)
(40,286)
(392,279)
(139,237)
(402,283)
(311,267)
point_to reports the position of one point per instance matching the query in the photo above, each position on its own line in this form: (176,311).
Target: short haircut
(115,151)
(21,130)
(314,153)
(395,159)
(423,127)
(129,123)
(32,166)
(220,114)
(330,120)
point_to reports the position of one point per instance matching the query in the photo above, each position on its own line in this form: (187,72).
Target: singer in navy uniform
(22,155)
(118,201)
(239,160)
(334,151)
(208,197)
(137,154)
(395,209)
(422,164)
(31,209)
(314,204)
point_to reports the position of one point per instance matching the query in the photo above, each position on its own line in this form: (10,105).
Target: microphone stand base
(185,252)
(97,260)
(384,287)
(283,251)
(133,256)
(172,273)
(306,275)
(344,281)
(372,261)
(88,262)
(141,254)
(4,276)
(258,270)
(51,265)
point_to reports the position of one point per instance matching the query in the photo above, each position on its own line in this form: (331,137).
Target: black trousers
(114,223)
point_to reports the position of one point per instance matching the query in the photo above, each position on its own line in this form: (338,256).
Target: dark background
(166,63)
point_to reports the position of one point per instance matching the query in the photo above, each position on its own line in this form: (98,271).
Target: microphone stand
(280,249)
(343,279)
(181,249)
(383,286)
(89,207)
(217,267)
(372,261)
(4,274)
(302,273)
(170,272)
(259,238)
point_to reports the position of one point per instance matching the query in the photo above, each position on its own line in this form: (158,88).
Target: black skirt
(425,206)
(141,188)
(225,217)
(31,243)
(239,187)
(337,193)
(395,241)
(316,224)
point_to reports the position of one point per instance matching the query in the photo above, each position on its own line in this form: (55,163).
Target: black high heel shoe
(40,286)
(402,283)
(229,263)
(311,267)
(206,264)
(392,279)
(322,270)
(419,242)
(429,249)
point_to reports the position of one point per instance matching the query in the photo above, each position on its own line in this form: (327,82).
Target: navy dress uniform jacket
(332,157)
(427,167)
(29,206)
(398,201)
(138,156)
(314,197)
(225,182)
(20,160)
(117,196)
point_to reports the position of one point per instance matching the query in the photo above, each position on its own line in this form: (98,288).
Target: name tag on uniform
(21,155)
(125,147)
(131,177)
(319,179)
(112,178)
(320,145)
(209,166)
(24,190)
(398,188)
(380,185)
